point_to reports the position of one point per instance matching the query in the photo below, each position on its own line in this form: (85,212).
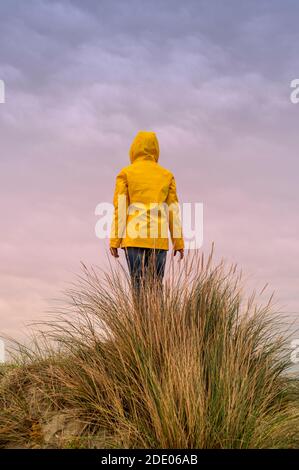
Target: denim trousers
(143,262)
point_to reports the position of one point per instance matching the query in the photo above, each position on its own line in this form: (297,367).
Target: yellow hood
(145,146)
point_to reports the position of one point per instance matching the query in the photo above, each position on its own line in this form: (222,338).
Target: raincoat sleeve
(120,203)
(174,217)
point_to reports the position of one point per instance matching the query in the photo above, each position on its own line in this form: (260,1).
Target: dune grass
(197,366)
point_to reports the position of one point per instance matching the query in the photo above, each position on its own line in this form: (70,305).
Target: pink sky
(212,79)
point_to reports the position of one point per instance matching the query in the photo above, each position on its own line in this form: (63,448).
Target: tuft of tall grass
(194,365)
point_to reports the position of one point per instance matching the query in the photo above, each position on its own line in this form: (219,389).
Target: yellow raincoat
(145,200)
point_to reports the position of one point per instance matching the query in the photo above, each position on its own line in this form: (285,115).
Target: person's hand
(114,252)
(181,252)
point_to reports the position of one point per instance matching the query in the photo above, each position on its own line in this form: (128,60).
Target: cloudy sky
(212,78)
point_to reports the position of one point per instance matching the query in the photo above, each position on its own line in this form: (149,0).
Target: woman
(145,206)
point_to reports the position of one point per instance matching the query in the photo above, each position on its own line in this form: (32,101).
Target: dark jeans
(143,262)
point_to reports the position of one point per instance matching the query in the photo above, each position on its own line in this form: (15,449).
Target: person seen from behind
(145,209)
